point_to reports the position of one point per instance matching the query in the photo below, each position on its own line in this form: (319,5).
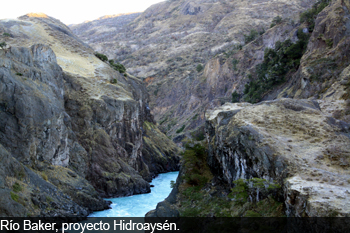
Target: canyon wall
(73,127)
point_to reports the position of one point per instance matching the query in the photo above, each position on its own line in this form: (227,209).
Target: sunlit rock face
(288,141)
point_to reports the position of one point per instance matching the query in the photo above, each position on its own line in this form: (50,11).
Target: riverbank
(139,205)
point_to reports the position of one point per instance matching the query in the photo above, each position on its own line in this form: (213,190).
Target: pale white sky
(73,11)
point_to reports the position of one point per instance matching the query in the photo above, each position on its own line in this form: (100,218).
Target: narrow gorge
(248,99)
(73,129)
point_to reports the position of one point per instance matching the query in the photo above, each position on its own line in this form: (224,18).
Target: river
(139,205)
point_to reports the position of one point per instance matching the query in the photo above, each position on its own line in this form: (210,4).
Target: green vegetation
(310,15)
(199,68)
(5,34)
(277,64)
(172,184)
(235,97)
(16,187)
(198,134)
(329,43)
(44,176)
(233,50)
(118,67)
(14,196)
(252,36)
(3,45)
(172,123)
(101,56)
(114,81)
(181,129)
(163,120)
(197,171)
(19,74)
(275,21)
(197,198)
(250,188)
(234,64)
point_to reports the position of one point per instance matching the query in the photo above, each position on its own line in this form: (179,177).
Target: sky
(73,11)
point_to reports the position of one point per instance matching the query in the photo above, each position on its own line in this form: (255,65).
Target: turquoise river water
(139,205)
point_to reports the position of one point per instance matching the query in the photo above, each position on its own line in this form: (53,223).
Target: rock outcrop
(288,141)
(34,139)
(72,127)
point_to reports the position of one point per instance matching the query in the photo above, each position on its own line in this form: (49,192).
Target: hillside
(286,152)
(169,43)
(74,129)
(262,87)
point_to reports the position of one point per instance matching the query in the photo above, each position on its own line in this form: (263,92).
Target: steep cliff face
(324,69)
(175,39)
(35,144)
(325,62)
(288,141)
(72,123)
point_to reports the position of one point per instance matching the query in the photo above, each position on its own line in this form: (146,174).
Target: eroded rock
(289,141)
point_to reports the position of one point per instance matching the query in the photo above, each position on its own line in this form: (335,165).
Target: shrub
(163,120)
(3,45)
(181,129)
(240,191)
(6,34)
(277,63)
(199,68)
(234,64)
(101,56)
(235,97)
(114,81)
(310,15)
(245,188)
(14,196)
(49,199)
(16,187)
(329,43)
(200,136)
(252,36)
(172,184)
(44,176)
(118,67)
(194,158)
(275,21)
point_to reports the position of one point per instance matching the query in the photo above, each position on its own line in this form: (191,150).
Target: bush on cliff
(253,190)
(199,198)
(197,171)
(278,62)
(117,66)
(310,15)
(199,68)
(101,56)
